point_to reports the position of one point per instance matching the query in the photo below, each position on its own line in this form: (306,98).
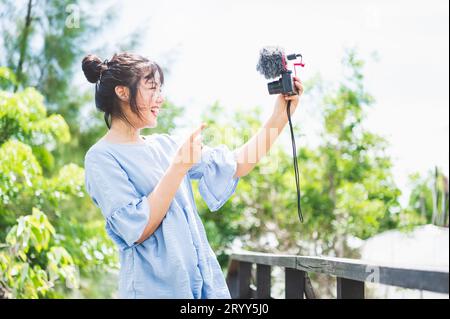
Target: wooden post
(244,275)
(294,283)
(263,281)
(349,289)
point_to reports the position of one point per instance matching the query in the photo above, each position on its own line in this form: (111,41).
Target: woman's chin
(152,124)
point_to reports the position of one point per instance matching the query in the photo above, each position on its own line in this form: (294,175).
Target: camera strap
(294,154)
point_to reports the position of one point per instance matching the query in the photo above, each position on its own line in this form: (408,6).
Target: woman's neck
(121,132)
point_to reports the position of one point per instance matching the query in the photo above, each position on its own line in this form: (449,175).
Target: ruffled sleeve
(215,173)
(126,211)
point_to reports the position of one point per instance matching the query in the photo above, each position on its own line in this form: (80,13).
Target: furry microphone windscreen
(270,62)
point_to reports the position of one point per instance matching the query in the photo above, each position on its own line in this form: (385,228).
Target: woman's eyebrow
(149,77)
(149,80)
(153,83)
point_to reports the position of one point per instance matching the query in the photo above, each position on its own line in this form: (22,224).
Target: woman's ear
(123,93)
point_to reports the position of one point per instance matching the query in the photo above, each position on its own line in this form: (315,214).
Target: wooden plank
(415,279)
(437,281)
(349,289)
(295,283)
(266,259)
(263,281)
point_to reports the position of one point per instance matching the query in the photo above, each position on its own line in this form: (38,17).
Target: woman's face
(149,100)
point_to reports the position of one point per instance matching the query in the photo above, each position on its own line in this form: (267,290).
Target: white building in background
(425,247)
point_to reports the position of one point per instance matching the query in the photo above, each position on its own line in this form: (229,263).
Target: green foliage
(26,128)
(352,167)
(42,248)
(23,117)
(7,78)
(32,265)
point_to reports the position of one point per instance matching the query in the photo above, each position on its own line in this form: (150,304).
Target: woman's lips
(155,111)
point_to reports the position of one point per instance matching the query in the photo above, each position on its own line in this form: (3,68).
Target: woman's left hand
(281,102)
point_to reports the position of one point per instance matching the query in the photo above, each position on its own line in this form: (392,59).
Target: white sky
(212,47)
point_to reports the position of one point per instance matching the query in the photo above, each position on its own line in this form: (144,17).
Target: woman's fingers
(299,85)
(198,140)
(198,131)
(190,152)
(290,97)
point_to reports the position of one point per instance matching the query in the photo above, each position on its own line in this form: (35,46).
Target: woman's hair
(125,69)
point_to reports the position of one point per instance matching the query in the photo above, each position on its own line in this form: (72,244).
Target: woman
(142,183)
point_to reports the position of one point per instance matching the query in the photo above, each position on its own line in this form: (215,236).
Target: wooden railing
(351,276)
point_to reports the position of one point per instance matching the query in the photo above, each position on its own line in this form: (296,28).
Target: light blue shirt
(176,261)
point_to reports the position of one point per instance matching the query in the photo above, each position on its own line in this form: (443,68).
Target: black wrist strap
(294,154)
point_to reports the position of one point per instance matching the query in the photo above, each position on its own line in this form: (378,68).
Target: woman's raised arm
(249,154)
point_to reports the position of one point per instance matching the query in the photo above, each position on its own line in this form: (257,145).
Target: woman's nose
(158,97)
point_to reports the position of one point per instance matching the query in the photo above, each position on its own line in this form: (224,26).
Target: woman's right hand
(190,152)
(161,197)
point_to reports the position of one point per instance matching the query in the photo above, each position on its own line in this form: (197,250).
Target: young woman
(142,184)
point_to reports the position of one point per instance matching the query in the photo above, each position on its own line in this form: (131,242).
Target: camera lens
(275,87)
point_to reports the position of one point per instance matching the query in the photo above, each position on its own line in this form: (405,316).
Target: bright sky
(212,47)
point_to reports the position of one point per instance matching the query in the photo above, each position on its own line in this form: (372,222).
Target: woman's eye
(156,88)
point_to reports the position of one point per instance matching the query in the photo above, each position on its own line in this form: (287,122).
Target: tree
(33,258)
(429,199)
(41,41)
(360,193)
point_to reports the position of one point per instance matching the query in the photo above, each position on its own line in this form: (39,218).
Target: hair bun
(92,67)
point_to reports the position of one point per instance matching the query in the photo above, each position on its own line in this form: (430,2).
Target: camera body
(273,64)
(284,85)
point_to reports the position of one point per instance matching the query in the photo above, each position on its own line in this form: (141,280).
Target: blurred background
(372,131)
